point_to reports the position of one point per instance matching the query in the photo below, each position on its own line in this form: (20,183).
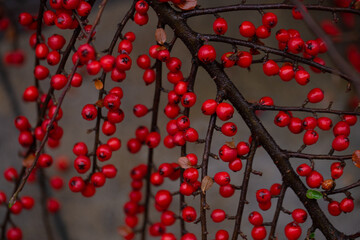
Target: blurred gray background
(98,217)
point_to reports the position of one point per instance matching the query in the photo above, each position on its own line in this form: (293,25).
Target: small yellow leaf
(206,183)
(160,36)
(98,84)
(184,162)
(187,5)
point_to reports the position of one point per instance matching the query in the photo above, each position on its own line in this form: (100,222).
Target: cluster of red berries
(314,179)
(27,202)
(163,199)
(341,130)
(64,12)
(141,8)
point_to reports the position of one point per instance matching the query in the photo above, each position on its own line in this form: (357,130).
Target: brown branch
(317,156)
(110,50)
(191,81)
(257,106)
(277,212)
(154,127)
(244,188)
(204,170)
(266,49)
(239,7)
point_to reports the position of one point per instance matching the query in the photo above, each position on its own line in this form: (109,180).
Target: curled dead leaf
(184,162)
(231,144)
(28,161)
(357,5)
(206,183)
(124,231)
(356,158)
(98,84)
(100,103)
(160,36)
(187,5)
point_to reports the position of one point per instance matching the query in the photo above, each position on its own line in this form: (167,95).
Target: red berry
(224,111)
(242,148)
(227,190)
(222,235)
(334,208)
(263,195)
(255,218)
(270,68)
(220,26)
(314,179)
(269,20)
(302,77)
(123,62)
(14,233)
(45,160)
(315,95)
(218,215)
(52,205)
(258,233)
(295,125)
(109,170)
(292,231)
(324,123)
(141,19)
(275,189)
(235,165)
(310,137)
(282,35)
(58,81)
(263,32)
(295,45)
(341,128)
(31,94)
(83,9)
(340,143)
(222,178)
(229,129)
(304,170)
(244,59)
(191,175)
(282,119)
(299,215)
(189,214)
(76,184)
(141,7)
(82,164)
(103,152)
(247,29)
(153,139)
(133,145)
(163,198)
(89,112)
(207,54)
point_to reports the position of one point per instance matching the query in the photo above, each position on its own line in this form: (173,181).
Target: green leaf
(312,235)
(313,194)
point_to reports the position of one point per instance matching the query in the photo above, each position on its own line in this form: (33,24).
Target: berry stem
(241,6)
(154,120)
(277,211)
(244,187)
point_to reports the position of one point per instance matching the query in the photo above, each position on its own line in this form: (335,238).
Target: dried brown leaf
(357,5)
(187,5)
(160,36)
(124,231)
(184,162)
(231,144)
(28,161)
(100,103)
(206,183)
(356,158)
(98,84)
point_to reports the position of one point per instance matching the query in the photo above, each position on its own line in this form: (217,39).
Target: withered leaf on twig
(160,36)
(206,183)
(184,162)
(187,5)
